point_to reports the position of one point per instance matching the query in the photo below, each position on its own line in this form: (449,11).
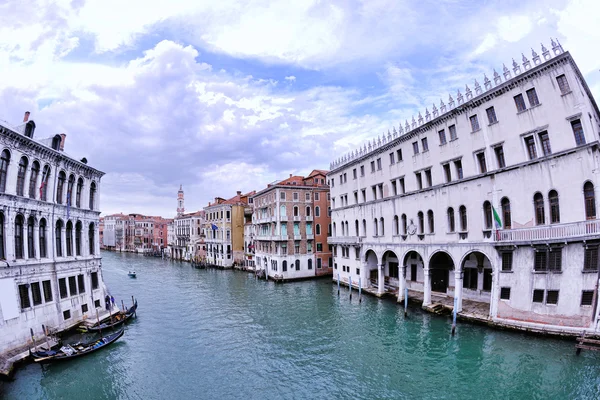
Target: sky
(228,95)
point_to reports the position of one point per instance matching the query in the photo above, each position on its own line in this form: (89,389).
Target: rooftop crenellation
(461,98)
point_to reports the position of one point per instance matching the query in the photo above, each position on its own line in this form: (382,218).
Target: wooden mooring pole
(406,301)
(454,316)
(350,286)
(338,283)
(359,290)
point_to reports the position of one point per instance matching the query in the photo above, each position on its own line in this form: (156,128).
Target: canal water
(211,334)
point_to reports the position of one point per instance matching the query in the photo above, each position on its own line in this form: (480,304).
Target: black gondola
(67,352)
(117,319)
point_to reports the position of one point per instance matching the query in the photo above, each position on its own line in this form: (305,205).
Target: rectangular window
(532,97)
(392,158)
(84,308)
(452,131)
(362,170)
(590,259)
(419,181)
(540,261)
(62,287)
(474,123)
(447,172)
(295,194)
(47,291)
(538,295)
(481,162)
(296,247)
(428,178)
(355,197)
(282,196)
(378,164)
(578,132)
(491,114)
(555,260)
(354,175)
(306,197)
(319,247)
(563,84)
(372,166)
(531,150)
(81,284)
(442,135)
(24,296)
(415,148)
(520,103)
(67,314)
(399,155)
(545,142)
(552,297)
(413,272)
(97,303)
(380,190)
(424,145)
(402,188)
(587,297)
(363,192)
(500,156)
(374,190)
(36,293)
(317,198)
(394,188)
(459,170)
(319,263)
(94,280)
(507,260)
(505,293)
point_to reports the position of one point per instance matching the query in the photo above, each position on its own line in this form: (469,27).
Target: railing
(309,218)
(344,240)
(546,232)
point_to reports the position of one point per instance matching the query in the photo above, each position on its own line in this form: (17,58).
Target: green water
(208,334)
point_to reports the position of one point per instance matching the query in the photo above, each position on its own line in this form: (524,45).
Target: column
(36,240)
(401,282)
(63,238)
(380,279)
(9,228)
(458,288)
(426,287)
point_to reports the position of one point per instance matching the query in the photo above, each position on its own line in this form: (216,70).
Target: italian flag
(497,219)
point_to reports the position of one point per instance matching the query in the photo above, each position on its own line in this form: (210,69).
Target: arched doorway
(371,261)
(390,269)
(477,277)
(413,262)
(440,266)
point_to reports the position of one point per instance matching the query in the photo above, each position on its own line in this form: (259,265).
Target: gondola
(67,352)
(117,319)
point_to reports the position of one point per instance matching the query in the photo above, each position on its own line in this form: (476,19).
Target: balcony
(310,236)
(309,218)
(542,233)
(283,218)
(344,240)
(297,237)
(297,218)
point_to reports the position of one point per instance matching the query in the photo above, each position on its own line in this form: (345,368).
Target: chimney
(239,193)
(62,141)
(290,175)
(26,116)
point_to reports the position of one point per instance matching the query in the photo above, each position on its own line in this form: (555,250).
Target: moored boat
(117,319)
(76,350)
(132,274)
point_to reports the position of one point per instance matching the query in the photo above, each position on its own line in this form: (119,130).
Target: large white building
(50,269)
(489,198)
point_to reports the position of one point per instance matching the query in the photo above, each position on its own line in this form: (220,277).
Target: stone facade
(491,199)
(50,273)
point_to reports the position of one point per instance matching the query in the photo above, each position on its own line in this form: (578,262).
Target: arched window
(62,177)
(91,237)
(347,229)
(70,190)
(308,211)
(590,200)
(364,227)
(451,225)
(19,237)
(538,203)
(396,230)
(21,176)
(69,238)
(343,229)
(78,193)
(296,213)
(297,265)
(44,185)
(30,243)
(318,229)
(56,142)
(487,214)
(58,236)
(92,195)
(421,219)
(356,228)
(381,226)
(506,217)
(404,224)
(430,221)
(78,229)
(554,208)
(284,266)
(2,252)
(462,211)
(317,211)
(375,228)
(4,161)
(309,263)
(35,171)
(43,251)
(334,230)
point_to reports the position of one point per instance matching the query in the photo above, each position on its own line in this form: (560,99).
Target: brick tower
(180,207)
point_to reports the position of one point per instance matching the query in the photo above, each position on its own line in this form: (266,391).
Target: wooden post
(98,319)
(133,304)
(350,286)
(338,283)
(405,301)
(33,339)
(454,316)
(123,305)
(359,290)
(46,334)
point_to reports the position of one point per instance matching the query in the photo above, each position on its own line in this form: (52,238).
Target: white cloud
(514,28)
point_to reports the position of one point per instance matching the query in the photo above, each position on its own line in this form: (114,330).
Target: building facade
(291,219)
(50,268)
(489,199)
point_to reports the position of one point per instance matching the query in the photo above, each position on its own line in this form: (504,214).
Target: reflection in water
(224,335)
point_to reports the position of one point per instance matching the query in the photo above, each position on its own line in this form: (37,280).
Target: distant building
(50,270)
(291,220)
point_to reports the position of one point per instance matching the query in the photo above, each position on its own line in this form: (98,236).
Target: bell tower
(180,207)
